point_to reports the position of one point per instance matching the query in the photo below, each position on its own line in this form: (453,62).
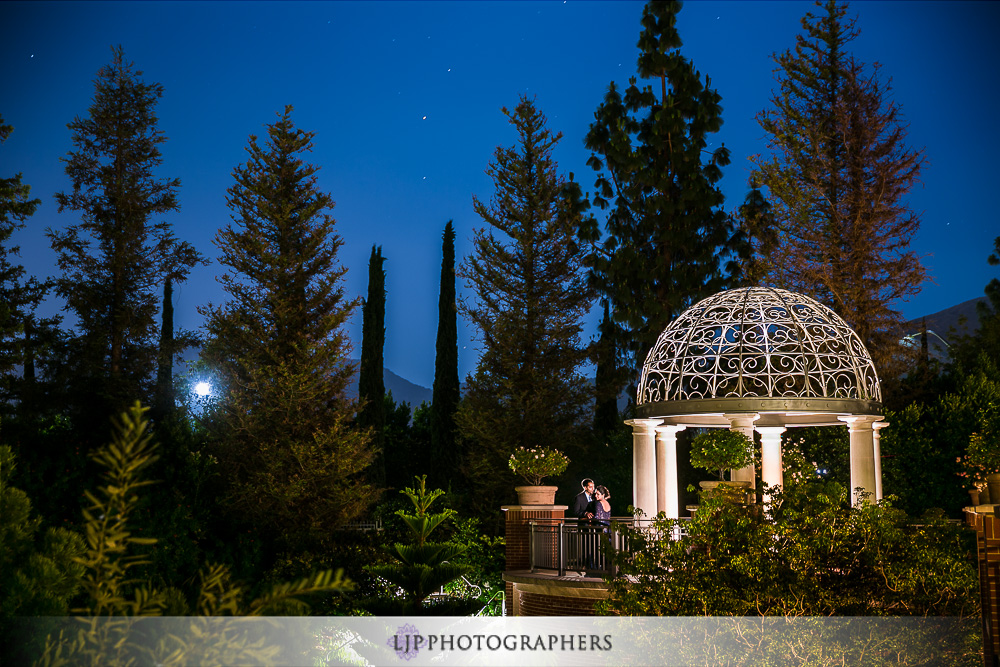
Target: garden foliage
(809,553)
(112,594)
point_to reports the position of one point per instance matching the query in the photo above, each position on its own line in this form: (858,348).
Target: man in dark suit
(581,504)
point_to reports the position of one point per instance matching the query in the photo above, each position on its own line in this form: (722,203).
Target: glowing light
(203,389)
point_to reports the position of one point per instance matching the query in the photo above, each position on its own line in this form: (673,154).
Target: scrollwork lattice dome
(758,342)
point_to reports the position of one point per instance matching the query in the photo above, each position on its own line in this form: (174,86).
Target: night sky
(405,98)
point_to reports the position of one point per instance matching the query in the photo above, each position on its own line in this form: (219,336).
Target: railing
(363,525)
(477,592)
(571,545)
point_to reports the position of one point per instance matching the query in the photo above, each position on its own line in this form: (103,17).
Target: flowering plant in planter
(537,463)
(984,455)
(721,450)
(973,474)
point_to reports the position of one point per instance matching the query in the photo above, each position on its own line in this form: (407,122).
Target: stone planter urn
(974,496)
(735,491)
(536,495)
(993,484)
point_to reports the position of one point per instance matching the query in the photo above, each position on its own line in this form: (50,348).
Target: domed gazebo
(748,359)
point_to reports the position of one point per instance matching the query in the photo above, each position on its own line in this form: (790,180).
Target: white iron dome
(781,349)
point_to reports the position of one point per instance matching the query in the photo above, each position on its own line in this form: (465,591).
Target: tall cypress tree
(446,384)
(371,382)
(164,364)
(293,461)
(607,381)
(837,171)
(667,234)
(116,258)
(531,296)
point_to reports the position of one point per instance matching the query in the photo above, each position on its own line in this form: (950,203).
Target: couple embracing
(591,504)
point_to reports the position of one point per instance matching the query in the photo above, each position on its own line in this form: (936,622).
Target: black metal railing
(569,545)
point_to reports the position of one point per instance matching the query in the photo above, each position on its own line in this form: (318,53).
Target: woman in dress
(602,508)
(601,521)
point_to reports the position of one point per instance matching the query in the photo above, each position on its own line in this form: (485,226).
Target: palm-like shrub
(422,567)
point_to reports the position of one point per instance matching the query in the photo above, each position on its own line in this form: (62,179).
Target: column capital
(643,425)
(670,428)
(860,422)
(770,430)
(879,425)
(742,419)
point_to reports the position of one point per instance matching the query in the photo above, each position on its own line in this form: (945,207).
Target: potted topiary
(535,464)
(720,450)
(983,461)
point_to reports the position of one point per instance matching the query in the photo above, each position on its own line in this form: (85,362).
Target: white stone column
(862,454)
(876,427)
(644,464)
(770,457)
(742,422)
(667,493)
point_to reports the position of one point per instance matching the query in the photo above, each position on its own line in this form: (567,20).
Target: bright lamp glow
(203,389)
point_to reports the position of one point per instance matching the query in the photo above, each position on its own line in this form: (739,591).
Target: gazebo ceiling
(756,349)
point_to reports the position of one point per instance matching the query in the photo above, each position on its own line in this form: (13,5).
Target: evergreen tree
(371,383)
(19,329)
(531,291)
(667,235)
(837,171)
(172,341)
(966,348)
(423,567)
(164,363)
(406,443)
(447,392)
(293,461)
(606,381)
(757,224)
(115,259)
(40,571)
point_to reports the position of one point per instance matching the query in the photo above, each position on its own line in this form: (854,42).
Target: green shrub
(113,595)
(720,450)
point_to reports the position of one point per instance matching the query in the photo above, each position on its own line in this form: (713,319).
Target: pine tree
(293,460)
(531,295)
(966,348)
(837,171)
(19,329)
(371,382)
(116,258)
(422,567)
(447,392)
(756,222)
(667,235)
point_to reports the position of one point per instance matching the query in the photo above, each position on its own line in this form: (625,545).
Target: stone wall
(987,526)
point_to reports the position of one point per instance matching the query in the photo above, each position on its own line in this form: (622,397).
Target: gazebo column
(742,422)
(667,493)
(644,464)
(876,427)
(862,454)
(770,457)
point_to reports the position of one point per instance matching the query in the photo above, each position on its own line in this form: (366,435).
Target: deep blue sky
(405,101)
